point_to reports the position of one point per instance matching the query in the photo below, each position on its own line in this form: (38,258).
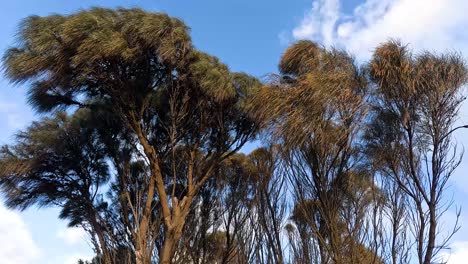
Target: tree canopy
(141,133)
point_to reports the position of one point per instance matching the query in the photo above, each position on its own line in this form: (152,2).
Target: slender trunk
(105,254)
(142,255)
(394,242)
(432,204)
(431,235)
(142,251)
(421,230)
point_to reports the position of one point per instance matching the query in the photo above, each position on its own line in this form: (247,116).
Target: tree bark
(167,250)
(174,230)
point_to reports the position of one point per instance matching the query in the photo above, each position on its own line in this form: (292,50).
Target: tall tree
(416,106)
(58,161)
(315,109)
(270,202)
(142,67)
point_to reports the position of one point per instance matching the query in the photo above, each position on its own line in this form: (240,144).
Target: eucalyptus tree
(270,203)
(59,162)
(315,110)
(165,93)
(255,200)
(238,216)
(416,107)
(236,199)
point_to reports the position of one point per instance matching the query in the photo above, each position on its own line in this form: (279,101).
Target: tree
(143,68)
(270,202)
(416,104)
(316,107)
(239,214)
(59,162)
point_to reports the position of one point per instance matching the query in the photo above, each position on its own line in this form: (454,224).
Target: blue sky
(249,36)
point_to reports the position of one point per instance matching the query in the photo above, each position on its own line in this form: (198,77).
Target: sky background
(249,36)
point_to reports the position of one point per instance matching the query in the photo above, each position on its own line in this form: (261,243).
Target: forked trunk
(174,230)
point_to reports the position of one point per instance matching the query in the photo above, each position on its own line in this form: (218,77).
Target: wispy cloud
(14,113)
(320,22)
(17,245)
(458,254)
(434,25)
(72,236)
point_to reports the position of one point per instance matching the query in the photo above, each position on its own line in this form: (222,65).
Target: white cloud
(72,236)
(284,38)
(13,116)
(433,25)
(75,238)
(11,113)
(16,243)
(320,21)
(459,253)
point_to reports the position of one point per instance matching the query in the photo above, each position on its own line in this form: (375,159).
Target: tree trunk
(167,250)
(142,251)
(139,257)
(173,232)
(171,239)
(431,235)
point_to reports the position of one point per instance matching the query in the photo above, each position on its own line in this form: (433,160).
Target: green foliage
(56,161)
(146,157)
(319,92)
(415,108)
(134,80)
(119,53)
